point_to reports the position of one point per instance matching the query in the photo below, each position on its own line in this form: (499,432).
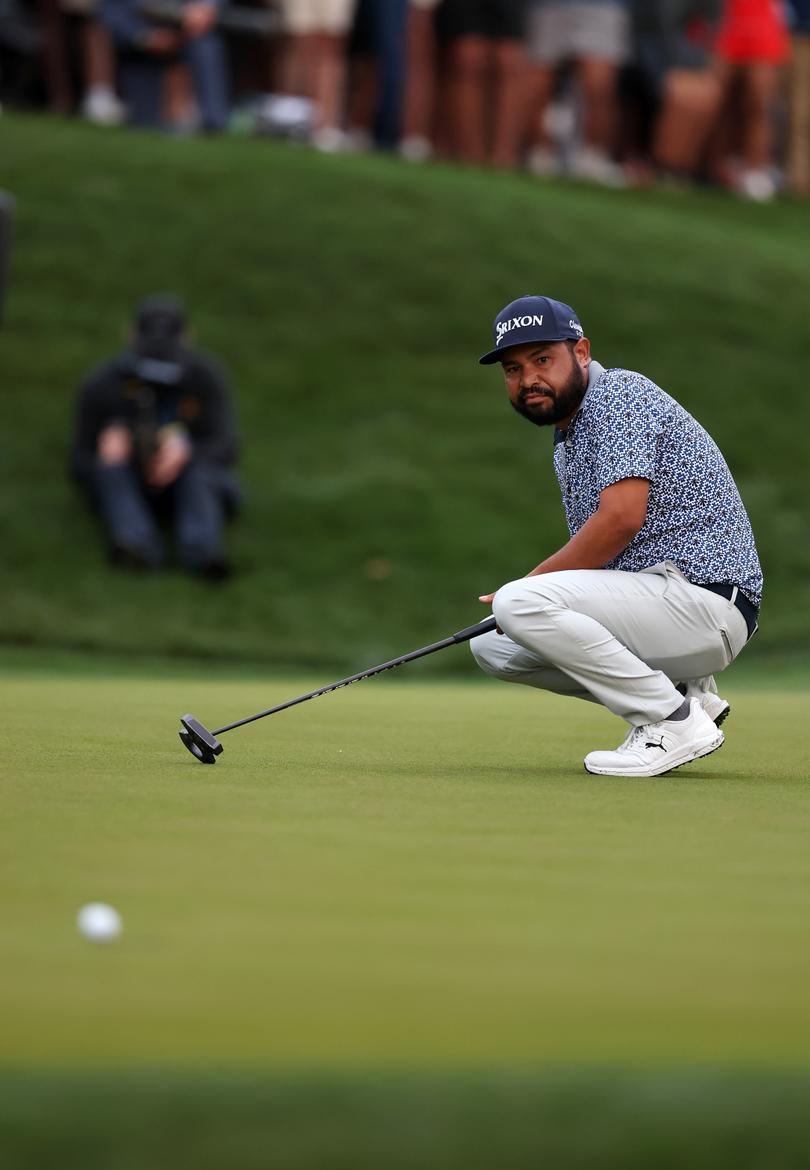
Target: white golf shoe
(655,748)
(705,689)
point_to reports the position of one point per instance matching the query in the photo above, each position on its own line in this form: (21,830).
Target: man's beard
(557,404)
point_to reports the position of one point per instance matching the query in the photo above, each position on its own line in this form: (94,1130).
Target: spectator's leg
(761,88)
(55,56)
(420,86)
(100,103)
(799,132)
(179,104)
(142,87)
(690,109)
(510,129)
(327,80)
(761,84)
(598,81)
(363,77)
(390,28)
(295,68)
(721,147)
(198,501)
(118,496)
(594,161)
(468,65)
(541,159)
(363,87)
(206,58)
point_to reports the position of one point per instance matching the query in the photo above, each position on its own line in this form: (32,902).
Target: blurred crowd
(609,91)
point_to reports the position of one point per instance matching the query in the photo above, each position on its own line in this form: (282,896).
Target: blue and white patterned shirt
(628,427)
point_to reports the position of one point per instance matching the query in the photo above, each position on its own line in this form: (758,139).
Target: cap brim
(489,359)
(496,355)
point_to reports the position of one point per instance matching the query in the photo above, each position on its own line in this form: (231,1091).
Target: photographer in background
(155,440)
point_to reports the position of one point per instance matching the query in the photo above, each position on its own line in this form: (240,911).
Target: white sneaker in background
(655,748)
(595,167)
(758,186)
(358,141)
(286,115)
(542,162)
(329,140)
(102,107)
(415,148)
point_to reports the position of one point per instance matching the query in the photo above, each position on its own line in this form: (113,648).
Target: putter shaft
(464,635)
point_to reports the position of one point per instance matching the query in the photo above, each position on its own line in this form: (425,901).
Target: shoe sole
(700,754)
(723,716)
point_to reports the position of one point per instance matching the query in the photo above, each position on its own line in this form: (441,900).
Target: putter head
(204,746)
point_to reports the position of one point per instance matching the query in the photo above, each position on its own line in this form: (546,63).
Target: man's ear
(582,352)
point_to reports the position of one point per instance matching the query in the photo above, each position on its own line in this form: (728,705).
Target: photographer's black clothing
(192,392)
(144,396)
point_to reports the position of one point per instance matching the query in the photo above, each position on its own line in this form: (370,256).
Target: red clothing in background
(753,31)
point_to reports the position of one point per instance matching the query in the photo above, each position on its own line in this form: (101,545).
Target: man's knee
(521,599)
(485,650)
(530,598)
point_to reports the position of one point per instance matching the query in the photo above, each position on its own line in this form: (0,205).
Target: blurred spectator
(595,35)
(608,90)
(155,439)
(64,26)
(99,101)
(315,62)
(20,45)
(487,75)
(676,47)
(798,151)
(420,82)
(378,46)
(752,45)
(150,47)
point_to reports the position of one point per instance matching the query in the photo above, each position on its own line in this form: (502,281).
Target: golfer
(659,586)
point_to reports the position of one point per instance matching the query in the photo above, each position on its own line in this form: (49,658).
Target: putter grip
(484,627)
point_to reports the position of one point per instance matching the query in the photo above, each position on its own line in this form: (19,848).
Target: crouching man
(659,587)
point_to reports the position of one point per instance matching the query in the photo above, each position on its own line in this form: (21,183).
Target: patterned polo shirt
(629,427)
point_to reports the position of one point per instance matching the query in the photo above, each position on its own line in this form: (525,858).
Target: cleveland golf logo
(505,327)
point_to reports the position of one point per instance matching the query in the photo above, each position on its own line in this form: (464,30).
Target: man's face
(546,381)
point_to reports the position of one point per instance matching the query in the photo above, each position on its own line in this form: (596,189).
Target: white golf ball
(98,922)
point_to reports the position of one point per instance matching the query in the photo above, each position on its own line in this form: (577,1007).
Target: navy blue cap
(532,319)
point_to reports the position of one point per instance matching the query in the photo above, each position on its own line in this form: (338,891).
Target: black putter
(205,747)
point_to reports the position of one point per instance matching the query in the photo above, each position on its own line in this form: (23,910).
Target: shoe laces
(631,739)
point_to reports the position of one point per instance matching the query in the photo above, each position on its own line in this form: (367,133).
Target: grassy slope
(349,297)
(397,875)
(472,1122)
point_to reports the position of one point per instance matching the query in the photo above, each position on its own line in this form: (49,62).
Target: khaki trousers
(620,639)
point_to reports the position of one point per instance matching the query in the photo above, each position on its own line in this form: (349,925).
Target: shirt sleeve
(213,430)
(627,421)
(97,406)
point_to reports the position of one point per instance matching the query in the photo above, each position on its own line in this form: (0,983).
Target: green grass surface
(398,926)
(350,297)
(405,873)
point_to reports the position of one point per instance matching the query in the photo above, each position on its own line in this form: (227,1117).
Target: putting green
(408,873)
